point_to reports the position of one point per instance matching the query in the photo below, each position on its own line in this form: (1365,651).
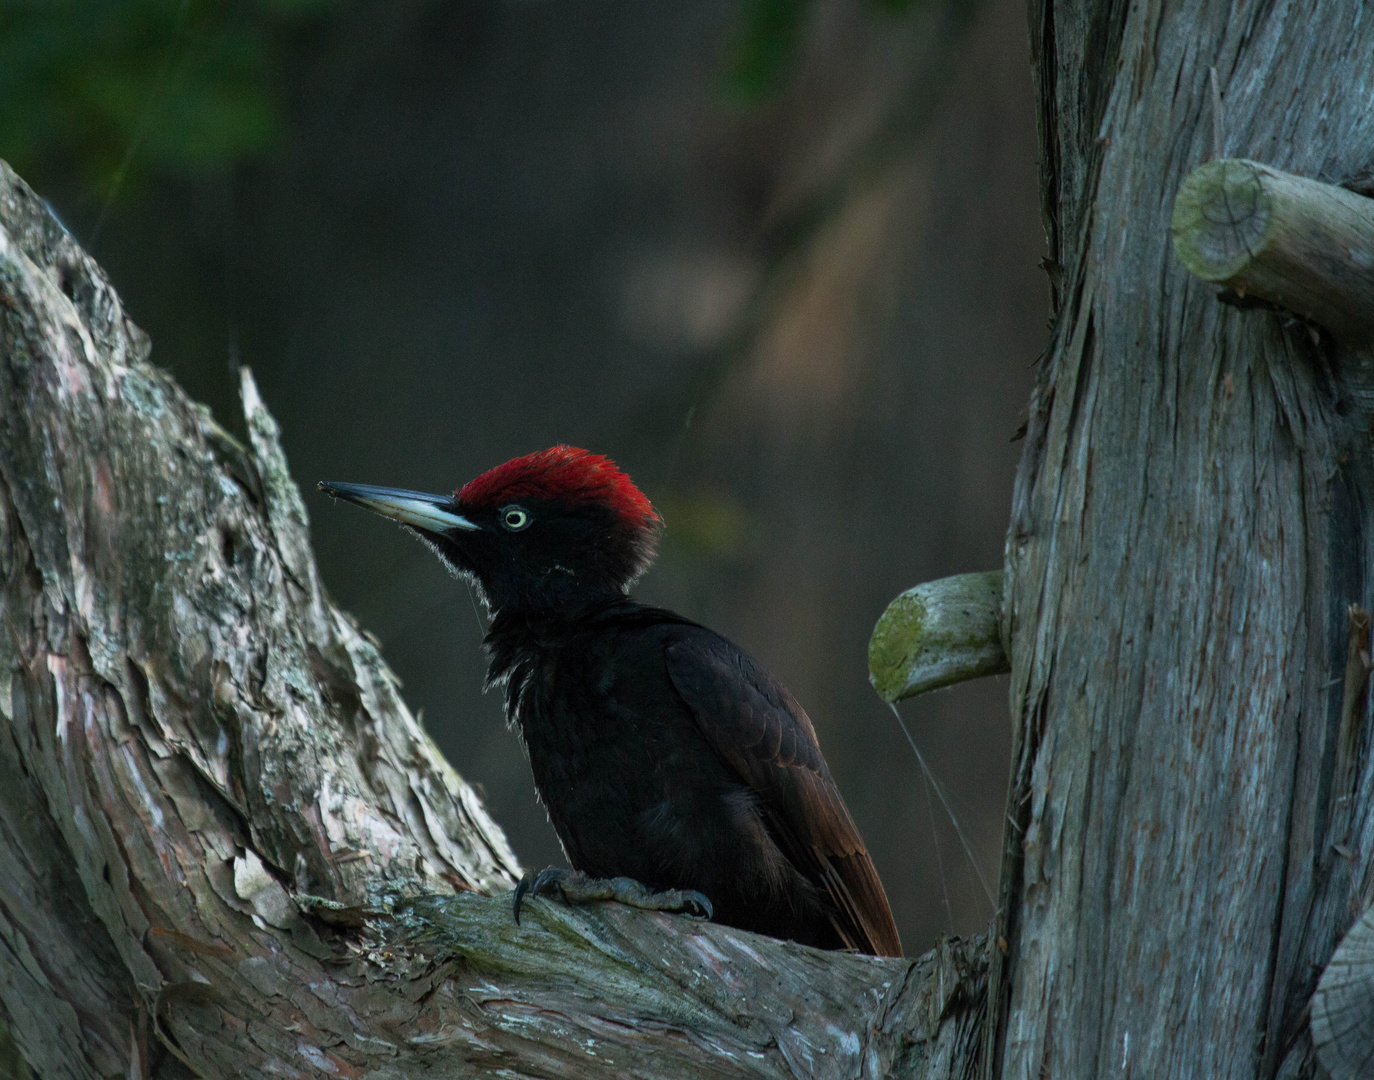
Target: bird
(678,773)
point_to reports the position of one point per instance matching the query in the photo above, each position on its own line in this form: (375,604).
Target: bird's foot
(577,888)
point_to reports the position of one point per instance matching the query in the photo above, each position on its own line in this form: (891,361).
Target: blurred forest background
(777,257)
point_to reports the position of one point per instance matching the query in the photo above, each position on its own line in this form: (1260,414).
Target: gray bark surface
(1190,525)
(228,845)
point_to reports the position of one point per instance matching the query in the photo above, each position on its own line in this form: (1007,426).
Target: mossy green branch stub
(938,634)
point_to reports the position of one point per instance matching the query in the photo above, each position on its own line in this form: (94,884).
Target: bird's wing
(767,738)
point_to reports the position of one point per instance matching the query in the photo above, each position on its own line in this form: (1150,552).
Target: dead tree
(228,847)
(1191,808)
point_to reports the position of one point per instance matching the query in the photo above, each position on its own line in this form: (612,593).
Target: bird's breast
(630,788)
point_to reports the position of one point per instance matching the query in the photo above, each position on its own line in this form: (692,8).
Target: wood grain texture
(1343,1006)
(229,847)
(1298,243)
(1190,523)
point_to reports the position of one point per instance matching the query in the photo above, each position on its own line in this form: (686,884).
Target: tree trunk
(229,847)
(1192,521)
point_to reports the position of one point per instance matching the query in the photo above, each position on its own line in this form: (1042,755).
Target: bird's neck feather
(520,636)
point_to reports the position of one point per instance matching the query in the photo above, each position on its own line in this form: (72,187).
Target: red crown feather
(565,473)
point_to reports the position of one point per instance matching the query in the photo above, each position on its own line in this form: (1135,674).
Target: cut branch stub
(1298,243)
(938,634)
(1343,1006)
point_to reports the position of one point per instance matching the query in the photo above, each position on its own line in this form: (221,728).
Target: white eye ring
(514,519)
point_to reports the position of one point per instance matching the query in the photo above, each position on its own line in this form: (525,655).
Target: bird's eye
(514,519)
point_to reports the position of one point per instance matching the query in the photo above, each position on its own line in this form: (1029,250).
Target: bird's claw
(539,884)
(577,888)
(704,910)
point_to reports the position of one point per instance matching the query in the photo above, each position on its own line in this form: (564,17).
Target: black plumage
(661,751)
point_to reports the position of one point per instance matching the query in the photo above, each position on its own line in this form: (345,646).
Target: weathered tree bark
(226,844)
(1192,520)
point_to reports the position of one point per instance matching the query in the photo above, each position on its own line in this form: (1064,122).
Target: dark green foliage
(764,50)
(110,88)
